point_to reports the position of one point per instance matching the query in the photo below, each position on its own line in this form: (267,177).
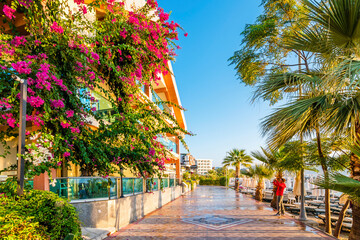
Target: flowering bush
(65,56)
(36,215)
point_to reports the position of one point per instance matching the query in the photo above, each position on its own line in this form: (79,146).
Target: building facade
(188,163)
(204,165)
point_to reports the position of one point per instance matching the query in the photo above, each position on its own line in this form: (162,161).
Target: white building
(203,166)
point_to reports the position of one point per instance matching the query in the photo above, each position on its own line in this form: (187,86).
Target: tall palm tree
(235,158)
(335,38)
(260,172)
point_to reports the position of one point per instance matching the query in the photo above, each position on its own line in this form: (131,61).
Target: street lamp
(22,131)
(227,182)
(302,216)
(121,181)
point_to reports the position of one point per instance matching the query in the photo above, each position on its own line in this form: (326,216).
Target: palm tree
(235,158)
(348,186)
(271,158)
(260,172)
(334,37)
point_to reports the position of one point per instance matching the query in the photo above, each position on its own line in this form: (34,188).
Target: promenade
(216,213)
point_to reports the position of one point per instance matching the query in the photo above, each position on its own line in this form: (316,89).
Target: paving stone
(217,213)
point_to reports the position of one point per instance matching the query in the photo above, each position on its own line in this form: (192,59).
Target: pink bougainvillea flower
(55,27)
(123,33)
(186,34)
(79,2)
(57,103)
(65,124)
(69,113)
(163,16)
(22,67)
(59,163)
(9,12)
(84,9)
(11,122)
(152,3)
(25,3)
(152,152)
(18,40)
(75,130)
(66,154)
(35,101)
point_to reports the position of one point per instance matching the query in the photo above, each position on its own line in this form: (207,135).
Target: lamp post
(227,183)
(121,181)
(302,216)
(22,131)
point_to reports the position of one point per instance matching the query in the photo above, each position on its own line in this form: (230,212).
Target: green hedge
(215,182)
(37,215)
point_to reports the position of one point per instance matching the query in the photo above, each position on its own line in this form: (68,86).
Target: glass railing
(165,182)
(152,185)
(85,188)
(92,188)
(172,182)
(138,185)
(128,186)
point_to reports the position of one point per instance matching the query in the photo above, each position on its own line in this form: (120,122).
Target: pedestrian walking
(280,184)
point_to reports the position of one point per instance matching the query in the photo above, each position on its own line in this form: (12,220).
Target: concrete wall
(120,212)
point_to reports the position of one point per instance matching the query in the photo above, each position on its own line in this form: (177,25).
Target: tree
(66,59)
(235,158)
(260,172)
(271,158)
(334,38)
(262,47)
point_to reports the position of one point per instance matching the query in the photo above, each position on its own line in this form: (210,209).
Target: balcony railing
(97,188)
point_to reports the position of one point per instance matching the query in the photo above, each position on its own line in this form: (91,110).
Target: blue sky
(218,106)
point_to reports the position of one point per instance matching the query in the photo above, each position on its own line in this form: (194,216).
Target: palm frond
(341,183)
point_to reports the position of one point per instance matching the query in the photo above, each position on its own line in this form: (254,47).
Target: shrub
(215,182)
(15,225)
(223,180)
(37,215)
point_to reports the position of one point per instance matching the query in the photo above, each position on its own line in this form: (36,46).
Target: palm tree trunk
(259,188)
(273,203)
(328,228)
(341,219)
(355,174)
(237,174)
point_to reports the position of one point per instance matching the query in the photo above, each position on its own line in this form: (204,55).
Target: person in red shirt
(280,184)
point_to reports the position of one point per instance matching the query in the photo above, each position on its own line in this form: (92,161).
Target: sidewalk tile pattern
(215,222)
(216,213)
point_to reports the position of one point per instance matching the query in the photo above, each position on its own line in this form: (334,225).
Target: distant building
(204,165)
(188,163)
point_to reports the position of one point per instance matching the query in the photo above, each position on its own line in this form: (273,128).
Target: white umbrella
(289,183)
(297,187)
(251,184)
(245,182)
(307,185)
(267,183)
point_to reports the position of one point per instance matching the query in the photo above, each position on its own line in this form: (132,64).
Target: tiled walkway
(216,213)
